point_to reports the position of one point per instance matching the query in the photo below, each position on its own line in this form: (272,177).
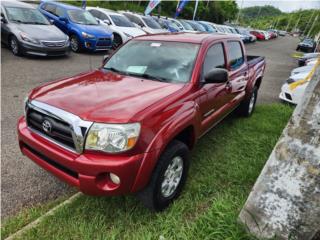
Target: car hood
(96,30)
(301,70)
(103,96)
(132,31)
(52,33)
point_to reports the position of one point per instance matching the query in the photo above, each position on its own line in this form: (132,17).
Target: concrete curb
(41,218)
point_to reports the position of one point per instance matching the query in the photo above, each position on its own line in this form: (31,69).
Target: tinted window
(214,58)
(82,17)
(95,13)
(104,16)
(26,15)
(59,12)
(134,19)
(121,21)
(50,8)
(236,58)
(151,23)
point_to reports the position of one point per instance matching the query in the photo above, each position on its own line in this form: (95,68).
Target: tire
(247,106)
(15,46)
(75,44)
(117,41)
(157,196)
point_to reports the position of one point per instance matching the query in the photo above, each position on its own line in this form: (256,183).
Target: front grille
(103,42)
(288,96)
(54,43)
(52,162)
(59,131)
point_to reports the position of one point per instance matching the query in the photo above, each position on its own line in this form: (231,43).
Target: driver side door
(213,105)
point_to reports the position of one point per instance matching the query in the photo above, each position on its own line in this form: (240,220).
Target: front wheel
(247,106)
(75,43)
(15,46)
(168,177)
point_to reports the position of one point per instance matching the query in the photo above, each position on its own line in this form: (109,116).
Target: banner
(84,4)
(195,10)
(180,8)
(152,4)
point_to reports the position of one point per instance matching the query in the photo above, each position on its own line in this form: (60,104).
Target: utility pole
(315,20)
(305,29)
(239,12)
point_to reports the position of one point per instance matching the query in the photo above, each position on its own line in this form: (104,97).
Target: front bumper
(99,44)
(88,171)
(38,50)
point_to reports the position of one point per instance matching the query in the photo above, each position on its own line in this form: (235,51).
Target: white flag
(152,4)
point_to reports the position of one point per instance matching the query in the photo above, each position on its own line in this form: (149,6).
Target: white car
(123,30)
(311,61)
(301,70)
(293,96)
(146,23)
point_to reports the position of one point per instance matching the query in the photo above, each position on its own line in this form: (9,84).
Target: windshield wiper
(148,76)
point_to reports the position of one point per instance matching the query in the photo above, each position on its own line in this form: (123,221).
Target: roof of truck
(197,37)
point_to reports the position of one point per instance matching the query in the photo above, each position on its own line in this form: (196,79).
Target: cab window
(215,58)
(235,53)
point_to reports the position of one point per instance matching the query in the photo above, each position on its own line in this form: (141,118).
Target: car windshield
(26,16)
(199,27)
(121,21)
(186,25)
(151,23)
(208,27)
(156,61)
(82,17)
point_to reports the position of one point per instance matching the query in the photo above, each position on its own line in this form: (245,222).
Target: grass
(225,165)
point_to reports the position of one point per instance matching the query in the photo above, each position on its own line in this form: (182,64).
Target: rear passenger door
(238,71)
(214,106)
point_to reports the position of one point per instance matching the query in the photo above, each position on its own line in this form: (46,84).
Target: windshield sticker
(155,44)
(137,69)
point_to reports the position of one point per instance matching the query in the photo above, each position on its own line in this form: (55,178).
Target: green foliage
(301,20)
(257,11)
(214,11)
(224,167)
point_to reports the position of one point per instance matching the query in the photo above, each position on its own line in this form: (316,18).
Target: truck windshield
(155,60)
(82,17)
(26,16)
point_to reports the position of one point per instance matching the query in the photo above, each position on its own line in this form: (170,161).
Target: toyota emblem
(46,126)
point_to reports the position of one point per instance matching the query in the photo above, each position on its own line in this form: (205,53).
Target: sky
(283,5)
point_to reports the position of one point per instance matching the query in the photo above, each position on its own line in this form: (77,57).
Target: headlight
(112,138)
(86,35)
(26,38)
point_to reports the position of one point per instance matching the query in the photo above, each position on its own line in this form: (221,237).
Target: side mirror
(217,75)
(107,21)
(63,19)
(51,21)
(105,59)
(3,20)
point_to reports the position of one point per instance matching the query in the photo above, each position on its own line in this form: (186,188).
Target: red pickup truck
(129,126)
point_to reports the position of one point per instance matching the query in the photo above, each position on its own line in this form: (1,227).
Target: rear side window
(59,12)
(215,58)
(95,13)
(236,58)
(50,8)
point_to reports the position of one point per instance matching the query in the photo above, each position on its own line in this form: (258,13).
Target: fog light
(114,178)
(88,45)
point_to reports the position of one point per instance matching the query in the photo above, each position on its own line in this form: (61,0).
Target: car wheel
(14,46)
(117,41)
(247,107)
(75,43)
(168,177)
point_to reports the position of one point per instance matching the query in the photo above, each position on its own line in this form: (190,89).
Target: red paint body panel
(163,109)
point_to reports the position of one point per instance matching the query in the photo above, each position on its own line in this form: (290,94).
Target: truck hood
(102,96)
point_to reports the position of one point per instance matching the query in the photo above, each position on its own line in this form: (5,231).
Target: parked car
(259,35)
(84,31)
(250,37)
(122,28)
(146,23)
(186,27)
(167,24)
(293,96)
(301,69)
(307,45)
(129,126)
(282,33)
(302,60)
(27,32)
(208,26)
(196,26)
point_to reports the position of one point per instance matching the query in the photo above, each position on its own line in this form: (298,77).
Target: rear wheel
(14,46)
(168,177)
(247,107)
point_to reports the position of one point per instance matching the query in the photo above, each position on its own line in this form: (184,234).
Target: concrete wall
(285,200)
